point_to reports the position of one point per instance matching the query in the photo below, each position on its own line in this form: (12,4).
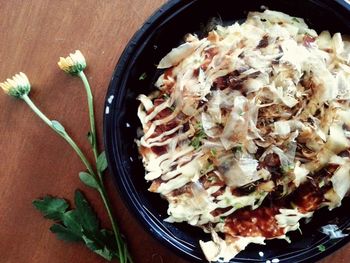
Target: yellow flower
(17,86)
(73,64)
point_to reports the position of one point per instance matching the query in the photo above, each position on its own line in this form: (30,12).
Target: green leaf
(196,141)
(79,224)
(99,249)
(108,237)
(105,253)
(237,149)
(57,127)
(87,216)
(52,207)
(321,248)
(71,221)
(143,76)
(65,234)
(166,96)
(89,180)
(91,139)
(101,242)
(102,162)
(295,20)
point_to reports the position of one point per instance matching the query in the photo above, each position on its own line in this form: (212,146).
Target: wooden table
(34,160)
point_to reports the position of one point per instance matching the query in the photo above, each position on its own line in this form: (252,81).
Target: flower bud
(17,86)
(73,64)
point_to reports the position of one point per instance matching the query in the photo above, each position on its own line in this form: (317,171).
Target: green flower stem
(129,257)
(90,100)
(123,252)
(120,243)
(62,133)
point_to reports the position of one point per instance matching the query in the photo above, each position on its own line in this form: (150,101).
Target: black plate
(163,31)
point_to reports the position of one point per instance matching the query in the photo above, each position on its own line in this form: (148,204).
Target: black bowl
(164,30)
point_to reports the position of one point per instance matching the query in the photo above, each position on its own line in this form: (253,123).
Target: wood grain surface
(34,160)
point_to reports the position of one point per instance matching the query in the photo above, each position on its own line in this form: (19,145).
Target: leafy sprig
(77,225)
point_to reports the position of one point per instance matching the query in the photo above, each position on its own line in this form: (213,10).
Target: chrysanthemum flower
(17,87)
(73,64)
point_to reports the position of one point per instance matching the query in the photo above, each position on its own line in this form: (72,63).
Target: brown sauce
(259,222)
(159,150)
(307,197)
(264,42)
(230,80)
(209,54)
(220,211)
(163,114)
(168,73)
